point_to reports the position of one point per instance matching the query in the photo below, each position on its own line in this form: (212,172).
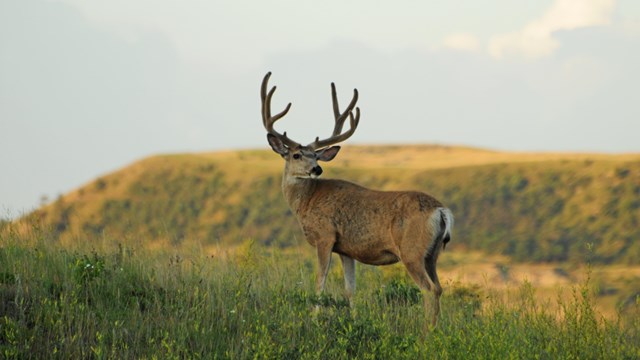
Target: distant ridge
(530,206)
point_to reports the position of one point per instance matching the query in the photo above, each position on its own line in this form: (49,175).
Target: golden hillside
(539,217)
(530,206)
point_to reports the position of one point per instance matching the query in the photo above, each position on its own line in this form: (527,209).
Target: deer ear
(277,145)
(327,154)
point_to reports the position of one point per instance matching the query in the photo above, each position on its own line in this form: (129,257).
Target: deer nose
(316,171)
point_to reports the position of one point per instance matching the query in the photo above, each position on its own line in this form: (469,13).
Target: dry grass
(426,157)
(413,157)
(503,277)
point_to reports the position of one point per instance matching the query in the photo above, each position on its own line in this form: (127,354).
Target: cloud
(462,42)
(537,39)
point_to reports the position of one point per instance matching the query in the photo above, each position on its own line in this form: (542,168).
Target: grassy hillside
(258,303)
(187,256)
(532,207)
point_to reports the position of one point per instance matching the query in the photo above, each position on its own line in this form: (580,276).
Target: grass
(124,301)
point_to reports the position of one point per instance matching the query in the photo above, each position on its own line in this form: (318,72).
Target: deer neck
(297,191)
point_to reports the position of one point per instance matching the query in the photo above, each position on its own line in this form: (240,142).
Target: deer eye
(296,156)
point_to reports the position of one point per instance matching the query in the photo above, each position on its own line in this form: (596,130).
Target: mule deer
(373,227)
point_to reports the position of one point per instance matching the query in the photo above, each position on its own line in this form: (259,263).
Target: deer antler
(336,136)
(267,119)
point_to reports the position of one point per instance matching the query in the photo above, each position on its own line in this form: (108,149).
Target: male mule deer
(373,227)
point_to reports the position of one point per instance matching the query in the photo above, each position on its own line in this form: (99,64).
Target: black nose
(317,170)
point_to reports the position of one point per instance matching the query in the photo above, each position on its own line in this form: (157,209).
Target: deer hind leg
(418,272)
(430,266)
(414,255)
(349,269)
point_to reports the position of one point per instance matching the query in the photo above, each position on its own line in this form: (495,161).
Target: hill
(531,207)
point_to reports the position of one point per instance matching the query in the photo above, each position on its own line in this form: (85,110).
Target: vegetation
(152,261)
(120,301)
(553,211)
(543,208)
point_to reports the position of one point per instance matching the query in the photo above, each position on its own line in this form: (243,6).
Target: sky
(88,86)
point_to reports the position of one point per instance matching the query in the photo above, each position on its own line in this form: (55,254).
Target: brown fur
(363,224)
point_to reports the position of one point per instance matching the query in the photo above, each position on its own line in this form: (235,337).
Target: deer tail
(446,225)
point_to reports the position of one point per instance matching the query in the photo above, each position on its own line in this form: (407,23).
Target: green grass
(125,302)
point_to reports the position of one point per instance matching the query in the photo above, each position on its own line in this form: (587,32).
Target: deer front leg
(349,269)
(324,260)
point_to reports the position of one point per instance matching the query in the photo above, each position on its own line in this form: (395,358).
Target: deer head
(302,161)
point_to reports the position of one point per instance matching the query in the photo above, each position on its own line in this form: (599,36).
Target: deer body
(366,225)
(370,226)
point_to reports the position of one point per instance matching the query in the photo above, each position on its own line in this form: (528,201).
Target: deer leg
(437,290)
(324,260)
(417,270)
(349,269)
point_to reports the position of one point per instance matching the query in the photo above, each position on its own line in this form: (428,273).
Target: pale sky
(89,86)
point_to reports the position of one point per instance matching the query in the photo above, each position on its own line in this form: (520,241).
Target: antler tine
(340,118)
(267,119)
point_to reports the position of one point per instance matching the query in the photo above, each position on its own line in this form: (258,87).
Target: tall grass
(120,302)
